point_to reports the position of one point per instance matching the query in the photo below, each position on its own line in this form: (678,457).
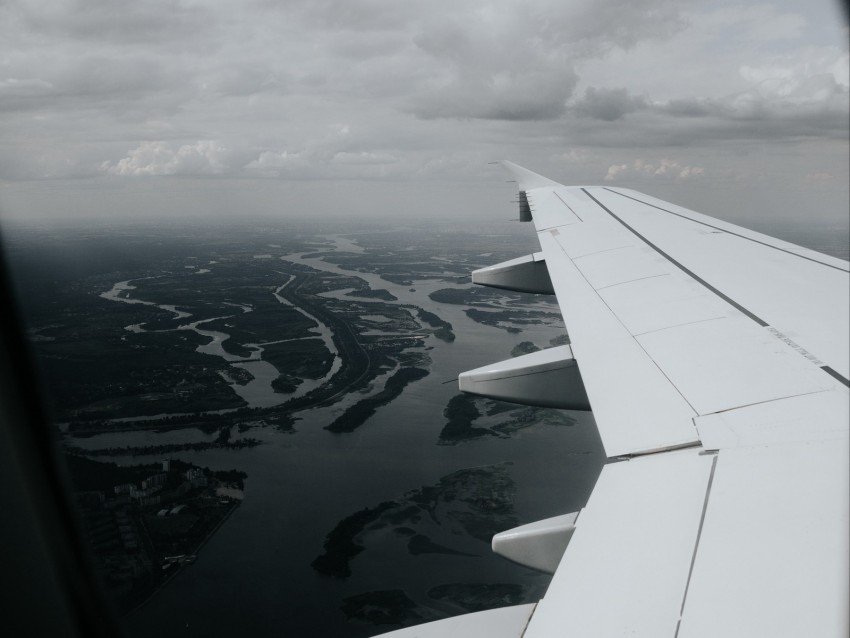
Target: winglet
(526,179)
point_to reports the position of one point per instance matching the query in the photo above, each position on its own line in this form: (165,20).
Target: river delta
(317,365)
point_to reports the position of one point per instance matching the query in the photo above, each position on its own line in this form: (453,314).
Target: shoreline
(182,566)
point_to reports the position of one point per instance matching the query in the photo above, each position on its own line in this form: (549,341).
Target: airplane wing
(715,360)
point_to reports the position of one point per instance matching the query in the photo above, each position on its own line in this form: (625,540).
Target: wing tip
(526,179)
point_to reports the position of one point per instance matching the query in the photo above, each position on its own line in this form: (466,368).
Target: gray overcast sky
(386,107)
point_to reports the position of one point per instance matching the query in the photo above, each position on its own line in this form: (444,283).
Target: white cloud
(363,157)
(320,162)
(662,169)
(615,170)
(821,177)
(573,156)
(204,157)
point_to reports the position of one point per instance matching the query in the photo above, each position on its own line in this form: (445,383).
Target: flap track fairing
(548,378)
(524,274)
(539,545)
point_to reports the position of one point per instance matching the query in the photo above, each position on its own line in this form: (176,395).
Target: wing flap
(726,363)
(820,416)
(632,546)
(677,301)
(505,622)
(636,408)
(773,554)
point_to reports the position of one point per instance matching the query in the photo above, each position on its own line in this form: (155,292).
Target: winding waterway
(254,576)
(258,391)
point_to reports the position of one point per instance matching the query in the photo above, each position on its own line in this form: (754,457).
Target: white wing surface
(716,362)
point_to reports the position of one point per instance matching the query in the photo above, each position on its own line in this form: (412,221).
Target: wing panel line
(620,321)
(835,375)
(728,232)
(567,205)
(678,325)
(681,267)
(631,281)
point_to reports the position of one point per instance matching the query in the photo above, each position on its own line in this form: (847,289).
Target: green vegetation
(296,361)
(382,607)
(477,500)
(496,318)
(474,296)
(360,412)
(166,448)
(421,544)
(129,374)
(481,596)
(201,396)
(444,328)
(461,411)
(369,293)
(524,347)
(340,546)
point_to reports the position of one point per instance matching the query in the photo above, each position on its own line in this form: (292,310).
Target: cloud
(204,157)
(515,62)
(319,160)
(781,102)
(761,23)
(784,99)
(119,22)
(278,163)
(821,177)
(424,90)
(662,169)
(363,157)
(472,74)
(536,95)
(608,104)
(19,93)
(573,156)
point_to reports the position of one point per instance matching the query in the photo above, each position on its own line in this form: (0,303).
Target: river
(258,391)
(254,576)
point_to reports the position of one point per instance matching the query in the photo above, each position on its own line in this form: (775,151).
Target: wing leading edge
(715,360)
